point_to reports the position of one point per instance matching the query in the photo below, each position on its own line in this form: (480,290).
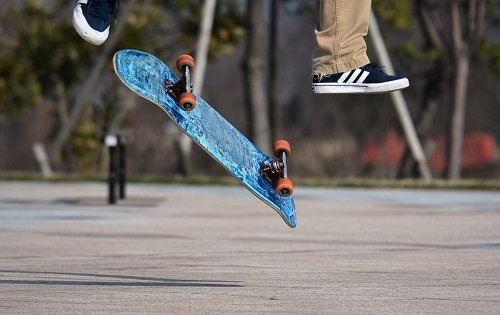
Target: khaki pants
(340,36)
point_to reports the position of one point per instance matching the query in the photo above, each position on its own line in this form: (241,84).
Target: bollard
(117,171)
(111,141)
(122,168)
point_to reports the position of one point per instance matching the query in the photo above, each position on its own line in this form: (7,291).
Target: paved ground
(183,250)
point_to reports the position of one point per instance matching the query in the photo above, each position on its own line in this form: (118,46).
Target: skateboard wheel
(281,146)
(187,101)
(185,60)
(284,187)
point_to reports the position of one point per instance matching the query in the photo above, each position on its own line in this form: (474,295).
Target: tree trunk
(255,66)
(184,143)
(458,116)
(461,54)
(273,70)
(435,85)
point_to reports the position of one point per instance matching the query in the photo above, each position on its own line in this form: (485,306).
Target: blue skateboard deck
(145,75)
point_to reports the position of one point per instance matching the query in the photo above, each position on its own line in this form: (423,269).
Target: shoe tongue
(100,9)
(373,67)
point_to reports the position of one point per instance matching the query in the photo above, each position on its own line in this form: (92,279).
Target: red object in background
(478,151)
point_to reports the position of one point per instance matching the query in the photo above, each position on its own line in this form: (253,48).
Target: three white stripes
(355,75)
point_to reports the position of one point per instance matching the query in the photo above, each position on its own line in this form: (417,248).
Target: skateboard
(266,177)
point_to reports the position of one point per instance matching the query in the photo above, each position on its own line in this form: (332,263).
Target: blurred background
(59,95)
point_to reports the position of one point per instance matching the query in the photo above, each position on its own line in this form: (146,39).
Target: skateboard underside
(145,74)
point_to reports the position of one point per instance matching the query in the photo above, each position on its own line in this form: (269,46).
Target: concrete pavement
(171,249)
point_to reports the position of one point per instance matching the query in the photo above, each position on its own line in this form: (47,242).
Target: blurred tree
(44,61)
(453,45)
(452,31)
(260,66)
(35,57)
(467,28)
(227,30)
(256,75)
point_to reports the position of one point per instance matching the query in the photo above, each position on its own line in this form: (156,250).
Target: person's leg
(340,63)
(92,18)
(340,36)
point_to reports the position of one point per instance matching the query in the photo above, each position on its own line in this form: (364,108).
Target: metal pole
(399,101)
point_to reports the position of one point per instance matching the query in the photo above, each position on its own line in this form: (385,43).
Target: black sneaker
(91,19)
(369,79)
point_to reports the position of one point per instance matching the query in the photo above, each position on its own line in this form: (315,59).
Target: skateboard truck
(276,172)
(182,90)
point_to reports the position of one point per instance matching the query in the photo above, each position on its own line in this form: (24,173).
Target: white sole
(85,31)
(353,88)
